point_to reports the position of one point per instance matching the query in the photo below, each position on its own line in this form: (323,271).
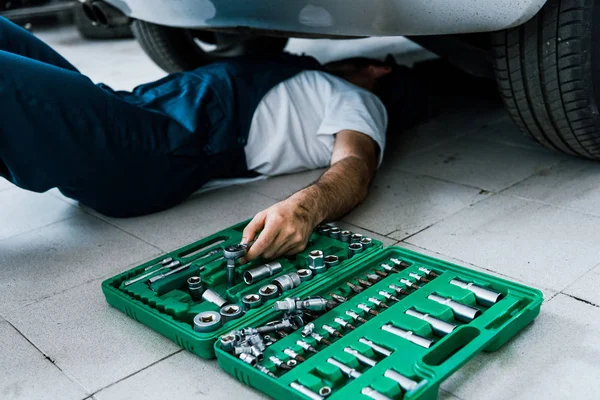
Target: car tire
(548,72)
(178,49)
(89,30)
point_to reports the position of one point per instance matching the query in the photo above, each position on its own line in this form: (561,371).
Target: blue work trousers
(59,129)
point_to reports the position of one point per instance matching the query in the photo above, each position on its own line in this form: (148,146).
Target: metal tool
(312,304)
(388,296)
(374,394)
(344,324)
(345,236)
(248,358)
(332,261)
(399,290)
(368,309)
(262,272)
(364,283)
(305,274)
(254,351)
(195,287)
(306,391)
(410,284)
(408,335)
(156,278)
(405,383)
(356,238)
(323,229)
(485,297)
(366,242)
(355,289)
(320,339)
(338,298)
(461,311)
(373,278)
(213,297)
(438,326)
(332,331)
(381,273)
(306,346)
(349,372)
(316,262)
(400,263)
(170,265)
(232,254)
(334,232)
(230,311)
(429,272)
(280,363)
(308,329)
(265,370)
(163,262)
(325,391)
(251,301)
(355,316)
(376,348)
(292,354)
(378,302)
(354,248)
(284,324)
(287,282)
(389,268)
(418,278)
(361,357)
(207,321)
(268,292)
(228,341)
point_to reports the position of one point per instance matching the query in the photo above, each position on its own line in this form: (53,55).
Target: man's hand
(284,230)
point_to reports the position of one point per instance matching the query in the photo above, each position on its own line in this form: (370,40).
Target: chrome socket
(268,292)
(306,391)
(228,342)
(356,238)
(248,359)
(376,348)
(484,296)
(405,383)
(461,311)
(366,242)
(195,287)
(264,271)
(251,301)
(332,261)
(213,297)
(354,248)
(374,394)
(287,282)
(316,262)
(438,326)
(230,312)
(323,230)
(335,232)
(305,274)
(345,236)
(361,357)
(349,372)
(408,335)
(207,321)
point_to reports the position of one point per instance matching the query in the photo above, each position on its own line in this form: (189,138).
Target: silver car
(541,52)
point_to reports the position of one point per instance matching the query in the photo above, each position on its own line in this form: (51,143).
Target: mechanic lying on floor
(133,153)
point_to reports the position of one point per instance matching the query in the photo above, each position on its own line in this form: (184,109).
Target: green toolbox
(343,319)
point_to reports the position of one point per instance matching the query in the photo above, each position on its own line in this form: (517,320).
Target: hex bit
(378,303)
(306,346)
(344,324)
(292,354)
(364,283)
(419,278)
(355,316)
(388,296)
(338,298)
(332,331)
(410,284)
(389,268)
(400,263)
(355,289)
(429,272)
(320,339)
(381,273)
(368,309)
(280,364)
(373,278)
(399,290)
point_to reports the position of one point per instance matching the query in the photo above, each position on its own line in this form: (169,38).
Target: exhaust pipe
(102,13)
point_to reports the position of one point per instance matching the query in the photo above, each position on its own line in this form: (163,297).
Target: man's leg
(58,129)
(17,40)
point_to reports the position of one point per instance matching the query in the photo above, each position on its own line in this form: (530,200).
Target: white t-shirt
(293,128)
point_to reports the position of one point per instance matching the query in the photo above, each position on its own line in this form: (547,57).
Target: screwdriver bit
(419,278)
(429,272)
(320,339)
(344,324)
(279,363)
(388,296)
(399,290)
(364,283)
(368,309)
(306,346)
(373,278)
(381,273)
(389,268)
(332,331)
(292,354)
(410,284)
(355,316)
(400,263)
(355,289)
(338,298)
(378,302)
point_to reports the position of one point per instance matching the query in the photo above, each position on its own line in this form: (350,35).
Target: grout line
(551,205)
(138,371)
(37,228)
(450,393)
(51,361)
(581,300)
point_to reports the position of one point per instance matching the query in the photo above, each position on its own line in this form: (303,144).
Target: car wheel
(89,30)
(548,71)
(178,49)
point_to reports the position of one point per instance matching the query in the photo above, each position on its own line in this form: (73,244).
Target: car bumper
(337,17)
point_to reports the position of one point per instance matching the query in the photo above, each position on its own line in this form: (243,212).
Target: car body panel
(337,17)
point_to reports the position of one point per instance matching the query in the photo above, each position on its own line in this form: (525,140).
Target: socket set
(343,319)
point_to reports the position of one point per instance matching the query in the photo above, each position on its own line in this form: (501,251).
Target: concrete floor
(465,187)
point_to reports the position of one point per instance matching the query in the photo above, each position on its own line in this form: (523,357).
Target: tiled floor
(464,187)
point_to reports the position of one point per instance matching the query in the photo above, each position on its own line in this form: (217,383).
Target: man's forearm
(338,191)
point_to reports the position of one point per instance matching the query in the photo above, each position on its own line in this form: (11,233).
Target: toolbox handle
(450,354)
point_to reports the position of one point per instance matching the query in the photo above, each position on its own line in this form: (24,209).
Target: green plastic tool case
(169,309)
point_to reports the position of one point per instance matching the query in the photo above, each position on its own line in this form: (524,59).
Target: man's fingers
(264,241)
(255,226)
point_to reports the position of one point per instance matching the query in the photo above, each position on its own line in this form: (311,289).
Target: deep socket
(287,281)
(462,312)
(213,297)
(484,296)
(349,372)
(376,348)
(408,335)
(405,383)
(438,326)
(374,394)
(262,272)
(306,391)
(361,357)
(195,287)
